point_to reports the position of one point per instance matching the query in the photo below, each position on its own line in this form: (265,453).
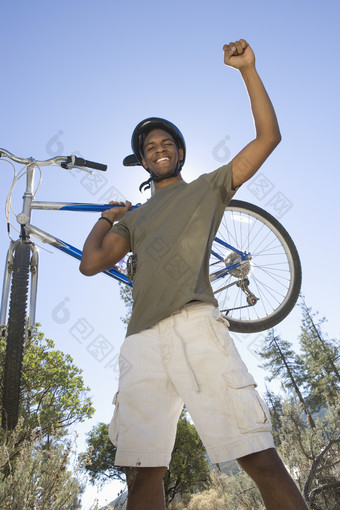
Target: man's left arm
(240,56)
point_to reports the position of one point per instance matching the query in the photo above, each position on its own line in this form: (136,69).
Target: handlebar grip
(89,164)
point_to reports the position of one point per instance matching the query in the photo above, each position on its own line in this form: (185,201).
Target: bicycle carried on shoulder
(255,270)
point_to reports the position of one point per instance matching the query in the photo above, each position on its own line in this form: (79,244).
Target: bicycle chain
(236,308)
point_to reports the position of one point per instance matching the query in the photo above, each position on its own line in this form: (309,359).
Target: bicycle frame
(23,218)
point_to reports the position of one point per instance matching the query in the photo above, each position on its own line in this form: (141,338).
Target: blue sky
(77,76)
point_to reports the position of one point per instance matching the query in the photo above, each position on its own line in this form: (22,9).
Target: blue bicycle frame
(76,253)
(114,273)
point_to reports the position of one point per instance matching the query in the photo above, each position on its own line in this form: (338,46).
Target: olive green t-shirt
(171,236)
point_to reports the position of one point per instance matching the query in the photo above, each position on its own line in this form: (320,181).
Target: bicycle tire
(274,271)
(16,332)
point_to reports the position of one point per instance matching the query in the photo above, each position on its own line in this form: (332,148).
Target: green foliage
(282,361)
(100,456)
(314,375)
(34,461)
(188,470)
(53,390)
(36,475)
(320,357)
(126,295)
(312,454)
(189,467)
(274,403)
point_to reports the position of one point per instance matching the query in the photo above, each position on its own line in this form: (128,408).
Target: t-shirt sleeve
(221,181)
(121,229)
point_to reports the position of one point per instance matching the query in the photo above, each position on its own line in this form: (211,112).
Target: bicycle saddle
(131,160)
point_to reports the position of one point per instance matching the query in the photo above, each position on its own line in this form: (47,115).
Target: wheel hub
(240,271)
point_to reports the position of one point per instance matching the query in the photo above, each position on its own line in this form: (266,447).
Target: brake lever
(71,167)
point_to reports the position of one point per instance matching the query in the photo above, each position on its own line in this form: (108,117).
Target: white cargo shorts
(190,358)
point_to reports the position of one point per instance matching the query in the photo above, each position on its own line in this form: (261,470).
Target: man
(177,342)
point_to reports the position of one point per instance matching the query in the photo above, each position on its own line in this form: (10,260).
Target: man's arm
(102,248)
(240,56)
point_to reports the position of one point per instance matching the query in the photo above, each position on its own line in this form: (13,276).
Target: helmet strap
(146,184)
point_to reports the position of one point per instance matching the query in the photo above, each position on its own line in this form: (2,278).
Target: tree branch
(314,468)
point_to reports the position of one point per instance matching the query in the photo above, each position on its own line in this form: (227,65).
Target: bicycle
(255,269)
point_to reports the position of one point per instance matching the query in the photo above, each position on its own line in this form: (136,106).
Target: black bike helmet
(138,137)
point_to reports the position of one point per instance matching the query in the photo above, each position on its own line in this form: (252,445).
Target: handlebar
(75,161)
(63,161)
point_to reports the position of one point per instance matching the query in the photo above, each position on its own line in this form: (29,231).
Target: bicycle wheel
(258,293)
(16,331)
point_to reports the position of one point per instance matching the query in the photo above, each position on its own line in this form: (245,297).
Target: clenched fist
(238,54)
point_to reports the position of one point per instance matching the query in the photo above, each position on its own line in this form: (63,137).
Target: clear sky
(77,76)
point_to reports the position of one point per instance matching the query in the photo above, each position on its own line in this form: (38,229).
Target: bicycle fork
(34,260)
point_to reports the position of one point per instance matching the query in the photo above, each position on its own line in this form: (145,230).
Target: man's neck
(166,182)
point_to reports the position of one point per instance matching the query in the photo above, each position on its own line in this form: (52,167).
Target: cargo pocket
(114,425)
(250,411)
(219,332)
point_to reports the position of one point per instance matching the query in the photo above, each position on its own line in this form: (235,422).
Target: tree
(37,476)
(126,295)
(282,361)
(188,470)
(189,467)
(309,448)
(274,403)
(320,358)
(312,454)
(98,461)
(34,459)
(53,391)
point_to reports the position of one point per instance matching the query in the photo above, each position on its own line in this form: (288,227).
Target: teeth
(162,159)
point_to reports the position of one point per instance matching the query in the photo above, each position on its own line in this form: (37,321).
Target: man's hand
(116,213)
(238,54)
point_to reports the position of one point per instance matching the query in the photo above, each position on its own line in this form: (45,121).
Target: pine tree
(320,358)
(274,403)
(283,362)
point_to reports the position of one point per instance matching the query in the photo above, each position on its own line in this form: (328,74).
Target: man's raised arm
(240,56)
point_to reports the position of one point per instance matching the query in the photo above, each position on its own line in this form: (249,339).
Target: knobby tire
(16,333)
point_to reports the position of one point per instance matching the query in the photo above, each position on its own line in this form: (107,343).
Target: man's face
(160,153)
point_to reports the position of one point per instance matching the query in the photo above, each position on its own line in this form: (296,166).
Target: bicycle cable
(8,204)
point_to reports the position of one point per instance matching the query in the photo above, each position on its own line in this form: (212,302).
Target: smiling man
(177,342)
(162,154)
